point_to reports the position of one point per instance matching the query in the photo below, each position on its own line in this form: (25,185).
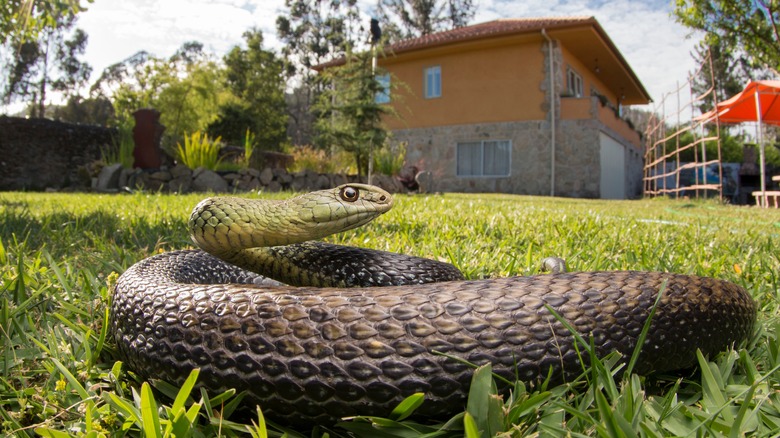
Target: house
(477,109)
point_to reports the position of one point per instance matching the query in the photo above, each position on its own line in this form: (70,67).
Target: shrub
(320,160)
(199,151)
(390,159)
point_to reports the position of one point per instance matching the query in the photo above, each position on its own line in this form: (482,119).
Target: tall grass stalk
(249,149)
(121,149)
(60,253)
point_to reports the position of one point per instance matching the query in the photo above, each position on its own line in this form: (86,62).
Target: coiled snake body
(317,350)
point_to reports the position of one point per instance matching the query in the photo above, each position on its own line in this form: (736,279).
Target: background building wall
(480,84)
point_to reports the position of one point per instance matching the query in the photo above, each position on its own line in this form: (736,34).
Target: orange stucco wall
(481,83)
(590,78)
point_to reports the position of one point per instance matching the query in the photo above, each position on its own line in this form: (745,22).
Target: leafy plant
(186,88)
(199,151)
(390,159)
(320,160)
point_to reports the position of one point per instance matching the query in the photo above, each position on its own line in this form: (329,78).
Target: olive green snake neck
(316,354)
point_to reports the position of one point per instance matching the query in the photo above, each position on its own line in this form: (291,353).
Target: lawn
(59,252)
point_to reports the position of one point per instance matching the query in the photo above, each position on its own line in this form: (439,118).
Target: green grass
(60,376)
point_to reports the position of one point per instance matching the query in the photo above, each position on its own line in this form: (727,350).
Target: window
(484,158)
(573,83)
(383,95)
(433,82)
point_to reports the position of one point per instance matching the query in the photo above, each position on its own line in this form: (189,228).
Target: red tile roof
(490,29)
(517,26)
(496,28)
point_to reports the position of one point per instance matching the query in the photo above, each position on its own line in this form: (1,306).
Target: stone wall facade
(37,154)
(577,157)
(435,150)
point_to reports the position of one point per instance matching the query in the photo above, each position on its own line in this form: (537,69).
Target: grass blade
(150,418)
(407,406)
(74,383)
(470,428)
(645,330)
(186,389)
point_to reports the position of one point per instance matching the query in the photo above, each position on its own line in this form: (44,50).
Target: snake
(314,332)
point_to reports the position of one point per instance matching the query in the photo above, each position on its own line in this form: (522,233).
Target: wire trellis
(663,146)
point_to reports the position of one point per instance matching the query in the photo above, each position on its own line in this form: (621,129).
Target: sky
(655,46)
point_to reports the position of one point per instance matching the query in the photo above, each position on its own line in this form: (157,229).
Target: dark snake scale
(319,354)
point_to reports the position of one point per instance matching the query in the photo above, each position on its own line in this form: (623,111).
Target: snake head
(342,208)
(226,224)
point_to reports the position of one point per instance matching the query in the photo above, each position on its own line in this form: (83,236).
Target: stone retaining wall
(181,179)
(36,154)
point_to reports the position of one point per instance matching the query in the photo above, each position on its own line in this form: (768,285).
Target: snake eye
(349,194)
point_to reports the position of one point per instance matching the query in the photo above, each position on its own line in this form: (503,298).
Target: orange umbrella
(758,102)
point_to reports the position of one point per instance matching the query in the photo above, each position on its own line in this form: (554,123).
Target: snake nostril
(382,198)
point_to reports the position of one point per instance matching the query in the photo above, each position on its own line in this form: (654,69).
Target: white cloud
(117,30)
(653,44)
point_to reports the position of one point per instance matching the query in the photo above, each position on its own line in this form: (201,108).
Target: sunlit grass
(59,375)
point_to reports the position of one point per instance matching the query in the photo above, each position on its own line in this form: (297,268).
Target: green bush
(232,122)
(390,159)
(320,160)
(199,151)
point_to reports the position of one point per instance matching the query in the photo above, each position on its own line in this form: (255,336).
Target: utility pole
(376,35)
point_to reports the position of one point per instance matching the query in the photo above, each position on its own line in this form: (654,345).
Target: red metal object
(147,134)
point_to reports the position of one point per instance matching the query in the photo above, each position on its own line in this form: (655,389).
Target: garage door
(613,168)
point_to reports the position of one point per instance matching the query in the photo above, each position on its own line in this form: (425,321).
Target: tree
(404,19)
(51,62)
(22,21)
(186,88)
(350,117)
(728,70)
(233,120)
(255,77)
(129,70)
(193,90)
(92,111)
(314,32)
(747,28)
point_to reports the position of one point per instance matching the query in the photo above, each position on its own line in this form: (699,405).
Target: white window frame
(481,173)
(383,96)
(574,85)
(432,82)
